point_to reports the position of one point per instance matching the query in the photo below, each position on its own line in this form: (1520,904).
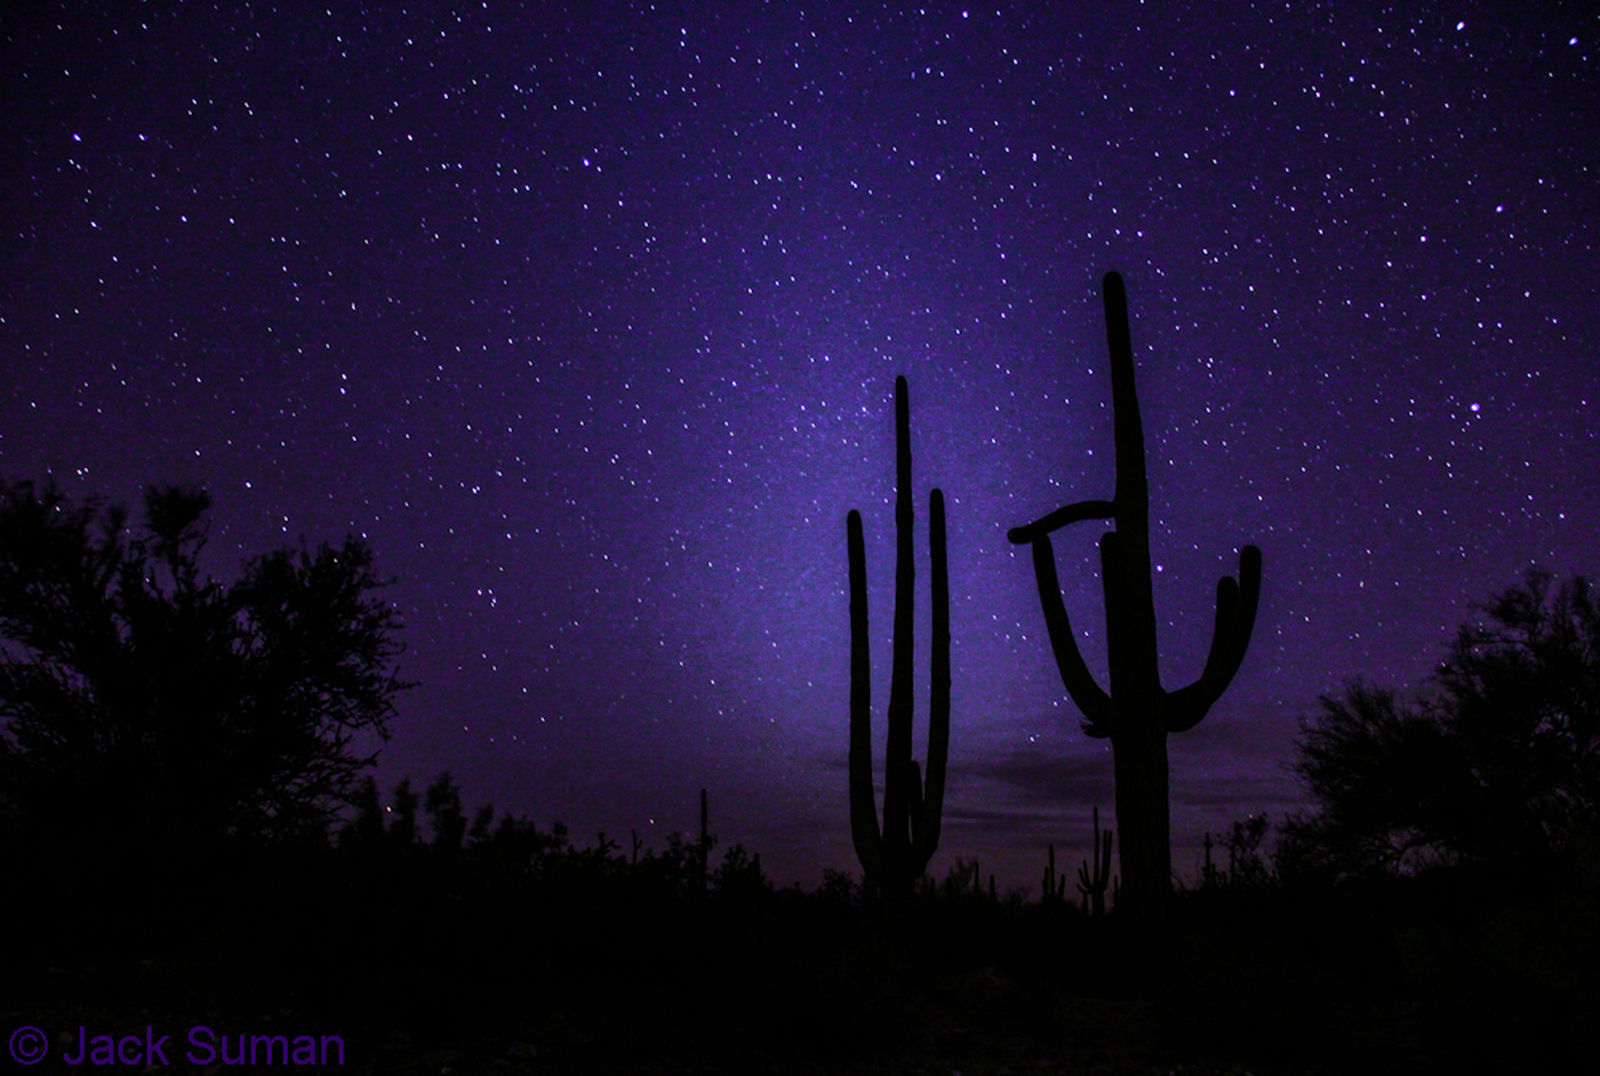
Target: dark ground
(606,974)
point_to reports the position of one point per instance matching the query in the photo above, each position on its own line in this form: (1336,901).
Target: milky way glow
(588,320)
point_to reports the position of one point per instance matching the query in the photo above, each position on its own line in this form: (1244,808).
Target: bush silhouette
(152,715)
(1493,764)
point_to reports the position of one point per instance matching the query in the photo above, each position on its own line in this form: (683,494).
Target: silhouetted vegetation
(521,941)
(1054,886)
(1248,865)
(155,718)
(435,935)
(895,855)
(1495,764)
(1137,713)
(1092,881)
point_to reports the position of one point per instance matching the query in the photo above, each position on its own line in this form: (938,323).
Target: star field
(588,318)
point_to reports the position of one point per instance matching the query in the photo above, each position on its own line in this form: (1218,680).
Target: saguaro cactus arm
(1088,696)
(864,831)
(1230,636)
(1061,517)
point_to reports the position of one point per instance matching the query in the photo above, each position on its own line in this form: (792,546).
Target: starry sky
(587,318)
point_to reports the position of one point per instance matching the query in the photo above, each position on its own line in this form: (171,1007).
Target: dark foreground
(607,974)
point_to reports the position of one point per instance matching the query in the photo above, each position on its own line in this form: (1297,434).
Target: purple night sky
(588,320)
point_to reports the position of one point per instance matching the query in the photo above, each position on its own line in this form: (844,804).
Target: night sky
(588,320)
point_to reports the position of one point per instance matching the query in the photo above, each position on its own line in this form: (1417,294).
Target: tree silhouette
(442,801)
(1136,713)
(403,831)
(1369,760)
(1497,761)
(368,827)
(145,705)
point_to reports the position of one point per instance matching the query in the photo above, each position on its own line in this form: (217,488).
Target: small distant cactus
(963,881)
(1092,884)
(1055,888)
(896,855)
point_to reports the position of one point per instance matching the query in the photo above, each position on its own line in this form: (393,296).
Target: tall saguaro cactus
(1137,714)
(895,854)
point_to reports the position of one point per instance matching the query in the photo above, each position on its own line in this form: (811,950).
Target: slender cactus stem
(896,854)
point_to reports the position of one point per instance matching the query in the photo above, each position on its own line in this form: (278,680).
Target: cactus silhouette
(1092,884)
(1055,888)
(896,854)
(1136,713)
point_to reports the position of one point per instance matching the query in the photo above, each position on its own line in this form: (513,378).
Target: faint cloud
(1043,776)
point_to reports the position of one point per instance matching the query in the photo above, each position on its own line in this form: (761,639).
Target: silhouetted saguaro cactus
(1137,713)
(1055,888)
(1092,884)
(896,854)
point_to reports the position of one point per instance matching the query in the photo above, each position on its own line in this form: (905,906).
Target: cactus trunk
(895,855)
(1143,819)
(1137,713)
